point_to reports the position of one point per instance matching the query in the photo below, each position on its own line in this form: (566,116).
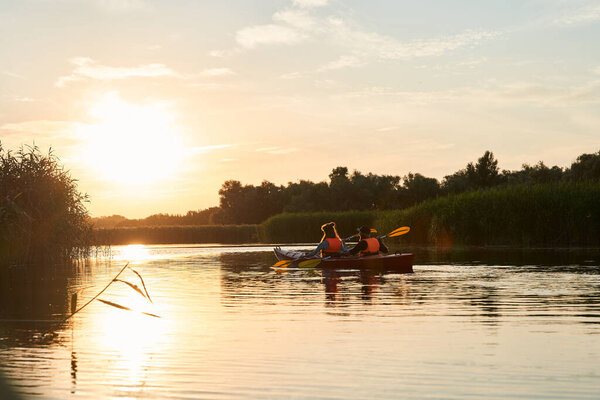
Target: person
(367,245)
(330,245)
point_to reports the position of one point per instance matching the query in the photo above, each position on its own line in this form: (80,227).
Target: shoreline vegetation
(551,215)
(479,205)
(43,218)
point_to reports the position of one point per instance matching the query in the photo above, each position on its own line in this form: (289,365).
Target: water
(493,324)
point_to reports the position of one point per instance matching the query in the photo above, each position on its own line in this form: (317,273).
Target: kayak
(401,263)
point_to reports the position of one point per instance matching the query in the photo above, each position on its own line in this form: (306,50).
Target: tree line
(253,204)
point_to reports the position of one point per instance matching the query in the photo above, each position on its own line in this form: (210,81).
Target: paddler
(367,245)
(331,244)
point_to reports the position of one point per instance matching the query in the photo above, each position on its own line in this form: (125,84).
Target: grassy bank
(551,215)
(565,214)
(305,227)
(228,234)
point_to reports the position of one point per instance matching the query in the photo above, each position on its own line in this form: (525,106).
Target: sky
(152,104)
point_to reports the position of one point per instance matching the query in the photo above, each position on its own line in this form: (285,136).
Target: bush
(42,213)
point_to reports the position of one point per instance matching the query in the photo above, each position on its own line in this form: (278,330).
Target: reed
(75,310)
(305,227)
(43,218)
(565,214)
(227,234)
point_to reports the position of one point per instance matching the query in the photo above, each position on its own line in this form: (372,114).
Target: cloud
(203,149)
(343,62)
(41,127)
(121,5)
(581,16)
(276,150)
(86,68)
(310,3)
(217,72)
(253,36)
(296,18)
(498,94)
(224,53)
(296,24)
(389,48)
(388,129)
(24,99)
(12,75)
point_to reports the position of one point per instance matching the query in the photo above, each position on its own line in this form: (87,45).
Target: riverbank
(557,215)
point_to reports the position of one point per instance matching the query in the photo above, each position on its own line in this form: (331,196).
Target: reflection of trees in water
(575,260)
(33,304)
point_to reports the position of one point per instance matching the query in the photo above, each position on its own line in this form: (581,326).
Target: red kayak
(401,263)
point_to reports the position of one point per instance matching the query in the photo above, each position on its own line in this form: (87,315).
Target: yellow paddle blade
(400,231)
(309,263)
(283,263)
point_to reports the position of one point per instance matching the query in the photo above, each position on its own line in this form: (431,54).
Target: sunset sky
(153,104)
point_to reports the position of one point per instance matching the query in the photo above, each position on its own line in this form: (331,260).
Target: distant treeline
(541,215)
(249,204)
(564,214)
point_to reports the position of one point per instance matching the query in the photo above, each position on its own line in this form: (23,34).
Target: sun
(132,144)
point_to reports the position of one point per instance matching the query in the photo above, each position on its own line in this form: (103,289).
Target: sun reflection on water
(134,253)
(130,340)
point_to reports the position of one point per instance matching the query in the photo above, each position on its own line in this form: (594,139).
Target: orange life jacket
(335,246)
(372,247)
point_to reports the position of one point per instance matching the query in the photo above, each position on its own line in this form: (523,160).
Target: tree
(485,173)
(539,173)
(418,188)
(587,167)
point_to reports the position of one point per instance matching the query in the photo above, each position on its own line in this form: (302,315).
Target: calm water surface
(499,324)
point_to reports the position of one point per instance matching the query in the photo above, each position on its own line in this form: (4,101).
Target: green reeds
(227,234)
(305,227)
(551,215)
(43,219)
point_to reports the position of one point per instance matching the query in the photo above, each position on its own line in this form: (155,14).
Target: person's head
(364,232)
(329,231)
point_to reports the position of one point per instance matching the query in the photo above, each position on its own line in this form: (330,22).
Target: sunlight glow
(134,253)
(132,337)
(132,144)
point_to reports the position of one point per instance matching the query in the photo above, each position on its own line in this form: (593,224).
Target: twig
(143,284)
(94,298)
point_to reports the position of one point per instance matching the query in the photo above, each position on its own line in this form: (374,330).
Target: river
(221,324)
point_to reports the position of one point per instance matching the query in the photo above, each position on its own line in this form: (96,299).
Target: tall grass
(228,234)
(305,227)
(43,218)
(564,214)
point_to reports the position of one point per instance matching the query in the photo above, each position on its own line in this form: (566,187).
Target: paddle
(356,234)
(312,263)
(397,232)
